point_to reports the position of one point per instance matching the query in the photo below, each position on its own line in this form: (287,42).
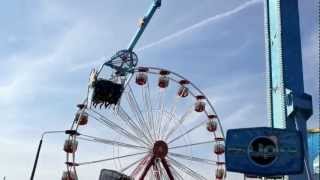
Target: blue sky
(48,48)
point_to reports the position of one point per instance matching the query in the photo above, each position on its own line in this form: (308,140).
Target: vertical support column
(167,168)
(275,84)
(288,106)
(147,167)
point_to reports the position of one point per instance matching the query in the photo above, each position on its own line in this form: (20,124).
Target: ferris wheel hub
(160,149)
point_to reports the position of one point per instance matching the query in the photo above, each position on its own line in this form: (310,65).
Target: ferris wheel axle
(159,153)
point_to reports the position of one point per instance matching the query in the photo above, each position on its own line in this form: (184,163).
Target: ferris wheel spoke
(103,120)
(153,114)
(177,175)
(121,115)
(141,123)
(110,142)
(161,112)
(175,167)
(110,159)
(194,159)
(132,164)
(187,170)
(171,116)
(180,122)
(193,144)
(131,123)
(148,108)
(135,108)
(140,166)
(187,132)
(147,168)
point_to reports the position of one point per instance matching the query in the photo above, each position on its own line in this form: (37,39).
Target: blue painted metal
(124,61)
(314,149)
(287,156)
(144,23)
(275,64)
(289,107)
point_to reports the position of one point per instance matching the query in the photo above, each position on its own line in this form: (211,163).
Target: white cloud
(200,24)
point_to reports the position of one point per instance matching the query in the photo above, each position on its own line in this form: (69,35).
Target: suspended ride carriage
(107,92)
(152,123)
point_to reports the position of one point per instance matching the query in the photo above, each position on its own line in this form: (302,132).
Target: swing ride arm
(144,23)
(124,61)
(107,91)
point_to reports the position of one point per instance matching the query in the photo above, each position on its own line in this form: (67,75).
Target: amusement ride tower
(289,106)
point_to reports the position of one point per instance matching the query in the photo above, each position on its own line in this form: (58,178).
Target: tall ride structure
(289,106)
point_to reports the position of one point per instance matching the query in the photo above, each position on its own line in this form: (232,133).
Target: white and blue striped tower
(289,106)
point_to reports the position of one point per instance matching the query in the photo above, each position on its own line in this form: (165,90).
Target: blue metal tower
(288,105)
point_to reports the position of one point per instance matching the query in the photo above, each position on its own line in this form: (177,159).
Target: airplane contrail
(201,24)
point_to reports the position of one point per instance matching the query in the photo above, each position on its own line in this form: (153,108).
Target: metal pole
(36,160)
(35,164)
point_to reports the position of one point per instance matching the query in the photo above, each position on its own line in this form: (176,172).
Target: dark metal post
(39,150)
(166,167)
(36,160)
(146,169)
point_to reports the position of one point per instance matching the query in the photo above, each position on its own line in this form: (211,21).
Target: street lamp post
(40,145)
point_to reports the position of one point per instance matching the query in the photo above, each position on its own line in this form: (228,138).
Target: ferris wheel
(153,123)
(158,123)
